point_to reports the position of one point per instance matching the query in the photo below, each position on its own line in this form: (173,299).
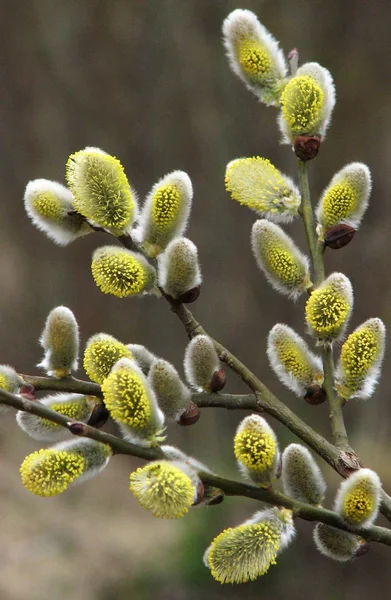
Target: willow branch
(229,487)
(340,438)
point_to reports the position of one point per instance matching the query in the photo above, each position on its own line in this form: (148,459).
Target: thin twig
(231,488)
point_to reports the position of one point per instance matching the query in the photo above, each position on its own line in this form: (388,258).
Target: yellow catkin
(255,450)
(49,472)
(243,553)
(302,103)
(119,273)
(100,356)
(165,205)
(163,489)
(127,398)
(339,202)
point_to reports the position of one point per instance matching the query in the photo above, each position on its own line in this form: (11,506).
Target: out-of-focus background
(148,82)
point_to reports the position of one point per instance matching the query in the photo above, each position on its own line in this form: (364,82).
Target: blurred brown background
(147,80)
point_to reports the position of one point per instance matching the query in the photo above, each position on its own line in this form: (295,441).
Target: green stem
(229,487)
(315,247)
(340,437)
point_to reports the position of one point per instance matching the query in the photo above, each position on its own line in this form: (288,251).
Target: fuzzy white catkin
(201,362)
(172,394)
(60,340)
(301,476)
(179,269)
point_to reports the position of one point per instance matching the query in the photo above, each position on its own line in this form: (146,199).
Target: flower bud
(76,407)
(285,267)
(60,340)
(302,479)
(49,472)
(246,552)
(165,213)
(10,381)
(101,353)
(166,488)
(337,544)
(329,308)
(49,206)
(257,184)
(338,236)
(254,55)
(358,498)
(121,272)
(359,365)
(132,403)
(292,361)
(306,147)
(256,450)
(171,393)
(315,395)
(307,103)
(179,270)
(345,199)
(101,189)
(143,357)
(201,362)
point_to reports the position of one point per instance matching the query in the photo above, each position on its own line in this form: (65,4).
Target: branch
(340,437)
(231,488)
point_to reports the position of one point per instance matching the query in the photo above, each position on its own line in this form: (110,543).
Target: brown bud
(190,296)
(339,236)
(306,147)
(363,549)
(190,416)
(200,494)
(27,391)
(315,395)
(218,381)
(78,428)
(99,416)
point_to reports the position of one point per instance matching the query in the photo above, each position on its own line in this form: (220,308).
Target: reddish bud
(218,381)
(315,395)
(99,416)
(339,236)
(306,147)
(200,494)
(363,549)
(190,296)
(78,428)
(27,391)
(190,416)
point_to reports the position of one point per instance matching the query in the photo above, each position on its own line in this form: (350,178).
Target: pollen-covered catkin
(284,266)
(179,269)
(307,103)
(165,213)
(256,450)
(121,272)
(60,341)
(166,488)
(101,189)
(358,498)
(75,406)
(254,55)
(329,308)
(172,394)
(360,361)
(257,184)
(132,403)
(101,353)
(301,476)
(346,198)
(49,472)
(246,552)
(292,361)
(49,205)
(201,362)
(335,543)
